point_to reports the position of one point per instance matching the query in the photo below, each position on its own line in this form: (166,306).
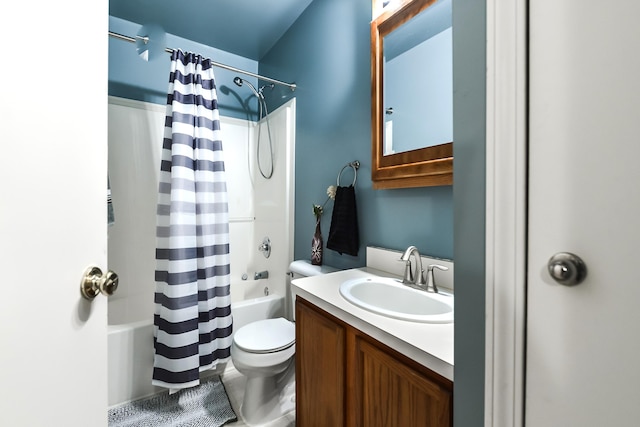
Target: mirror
(412,95)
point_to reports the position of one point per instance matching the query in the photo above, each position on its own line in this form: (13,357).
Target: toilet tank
(297,270)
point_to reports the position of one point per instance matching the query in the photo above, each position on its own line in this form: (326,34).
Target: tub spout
(261,275)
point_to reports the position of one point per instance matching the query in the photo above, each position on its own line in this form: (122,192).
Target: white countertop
(429,344)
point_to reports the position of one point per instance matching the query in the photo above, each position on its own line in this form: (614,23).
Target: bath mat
(204,405)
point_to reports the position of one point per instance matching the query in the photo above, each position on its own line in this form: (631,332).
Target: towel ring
(355,165)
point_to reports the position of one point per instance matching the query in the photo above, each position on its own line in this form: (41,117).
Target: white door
(583,342)
(53,176)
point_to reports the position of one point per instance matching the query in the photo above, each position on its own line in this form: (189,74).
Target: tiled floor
(234,383)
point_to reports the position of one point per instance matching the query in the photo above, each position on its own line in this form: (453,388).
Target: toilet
(264,352)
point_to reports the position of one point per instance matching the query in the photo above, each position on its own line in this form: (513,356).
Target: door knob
(94,283)
(567,269)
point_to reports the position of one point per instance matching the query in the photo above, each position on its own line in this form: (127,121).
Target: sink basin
(389,297)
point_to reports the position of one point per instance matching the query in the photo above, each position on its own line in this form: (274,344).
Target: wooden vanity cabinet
(346,378)
(320,368)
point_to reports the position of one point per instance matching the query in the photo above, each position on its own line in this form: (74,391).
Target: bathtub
(130,348)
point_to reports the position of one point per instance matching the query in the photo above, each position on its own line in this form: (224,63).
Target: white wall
(257,207)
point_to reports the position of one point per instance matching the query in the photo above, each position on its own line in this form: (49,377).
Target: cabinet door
(320,368)
(389,392)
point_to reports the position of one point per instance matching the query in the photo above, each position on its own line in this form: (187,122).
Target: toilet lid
(266,336)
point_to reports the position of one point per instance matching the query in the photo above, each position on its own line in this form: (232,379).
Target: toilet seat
(266,336)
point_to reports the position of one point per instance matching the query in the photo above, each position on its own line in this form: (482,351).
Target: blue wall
(326,52)
(332,70)
(133,78)
(469,171)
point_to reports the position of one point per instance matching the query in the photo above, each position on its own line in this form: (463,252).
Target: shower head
(239,81)
(262,107)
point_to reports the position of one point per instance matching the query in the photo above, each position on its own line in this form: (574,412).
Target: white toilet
(264,351)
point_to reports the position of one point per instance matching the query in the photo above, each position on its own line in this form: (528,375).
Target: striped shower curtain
(192,321)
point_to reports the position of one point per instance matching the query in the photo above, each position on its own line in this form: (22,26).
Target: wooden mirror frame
(423,167)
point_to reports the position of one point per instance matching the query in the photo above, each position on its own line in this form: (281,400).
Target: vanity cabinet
(346,378)
(320,368)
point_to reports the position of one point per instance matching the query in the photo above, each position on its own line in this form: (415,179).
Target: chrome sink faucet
(411,279)
(420,279)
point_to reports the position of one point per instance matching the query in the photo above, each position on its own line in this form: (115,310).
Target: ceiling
(247,28)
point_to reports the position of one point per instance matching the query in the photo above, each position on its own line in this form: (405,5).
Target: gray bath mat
(205,405)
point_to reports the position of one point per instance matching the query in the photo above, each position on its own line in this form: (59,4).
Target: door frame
(506,212)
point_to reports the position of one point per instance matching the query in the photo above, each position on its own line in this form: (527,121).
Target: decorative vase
(316,244)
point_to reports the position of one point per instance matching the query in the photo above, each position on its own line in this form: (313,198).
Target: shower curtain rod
(292,86)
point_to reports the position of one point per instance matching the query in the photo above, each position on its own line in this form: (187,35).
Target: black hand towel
(343,233)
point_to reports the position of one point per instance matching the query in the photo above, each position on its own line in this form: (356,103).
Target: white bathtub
(130,348)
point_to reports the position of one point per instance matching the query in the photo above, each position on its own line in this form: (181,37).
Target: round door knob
(94,283)
(109,283)
(567,269)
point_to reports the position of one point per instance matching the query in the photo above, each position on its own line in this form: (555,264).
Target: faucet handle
(431,279)
(438,266)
